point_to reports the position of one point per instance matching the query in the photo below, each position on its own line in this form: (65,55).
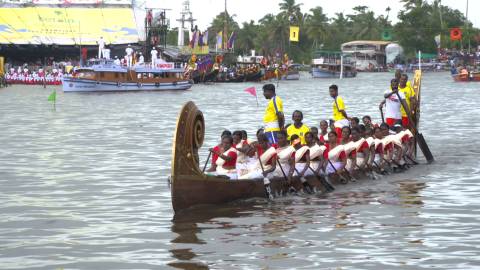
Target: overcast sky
(245,10)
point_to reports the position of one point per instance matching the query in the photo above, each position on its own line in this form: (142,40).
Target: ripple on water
(84,187)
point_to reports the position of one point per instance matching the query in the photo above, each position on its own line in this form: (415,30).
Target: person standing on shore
(273,120)
(339,114)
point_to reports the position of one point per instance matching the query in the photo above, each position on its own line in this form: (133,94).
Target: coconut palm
(316,26)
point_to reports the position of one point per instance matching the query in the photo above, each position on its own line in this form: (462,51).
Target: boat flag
(294,32)
(53,98)
(455,34)
(205,37)
(231,40)
(219,39)
(252,91)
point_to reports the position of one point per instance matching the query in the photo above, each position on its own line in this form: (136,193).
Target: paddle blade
(424,147)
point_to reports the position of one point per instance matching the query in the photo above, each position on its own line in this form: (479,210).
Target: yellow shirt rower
(273,120)
(339,114)
(406,88)
(298,128)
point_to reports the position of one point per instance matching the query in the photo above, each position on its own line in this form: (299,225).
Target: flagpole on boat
(341,66)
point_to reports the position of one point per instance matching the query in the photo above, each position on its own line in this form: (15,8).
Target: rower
(227,158)
(298,128)
(362,148)
(302,156)
(407,90)
(302,161)
(334,155)
(354,122)
(285,157)
(317,162)
(217,149)
(323,136)
(266,154)
(350,150)
(314,131)
(242,148)
(273,119)
(378,159)
(367,121)
(339,114)
(393,104)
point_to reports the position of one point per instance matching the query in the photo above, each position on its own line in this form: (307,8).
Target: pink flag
(252,91)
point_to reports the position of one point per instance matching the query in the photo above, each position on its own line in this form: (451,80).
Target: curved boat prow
(188,138)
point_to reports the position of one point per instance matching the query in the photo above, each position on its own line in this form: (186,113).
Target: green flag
(53,96)
(386,34)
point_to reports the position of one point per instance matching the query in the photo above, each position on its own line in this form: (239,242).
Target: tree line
(418,24)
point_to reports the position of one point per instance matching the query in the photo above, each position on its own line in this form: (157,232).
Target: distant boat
(328,64)
(106,76)
(467,77)
(292,73)
(369,55)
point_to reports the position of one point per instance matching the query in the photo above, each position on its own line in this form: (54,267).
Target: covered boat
(110,77)
(331,64)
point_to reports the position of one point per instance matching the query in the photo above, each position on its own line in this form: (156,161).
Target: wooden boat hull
(82,85)
(474,77)
(190,186)
(254,77)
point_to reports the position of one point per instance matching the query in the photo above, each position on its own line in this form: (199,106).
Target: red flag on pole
(252,91)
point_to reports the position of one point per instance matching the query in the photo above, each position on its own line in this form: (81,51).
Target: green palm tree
(316,26)
(291,11)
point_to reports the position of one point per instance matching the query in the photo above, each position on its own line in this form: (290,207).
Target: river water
(84,186)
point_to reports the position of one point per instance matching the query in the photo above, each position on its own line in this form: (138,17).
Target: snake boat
(191,187)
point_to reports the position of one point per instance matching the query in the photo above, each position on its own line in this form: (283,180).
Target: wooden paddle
(285,176)
(342,179)
(418,136)
(324,182)
(206,162)
(305,183)
(381,114)
(266,184)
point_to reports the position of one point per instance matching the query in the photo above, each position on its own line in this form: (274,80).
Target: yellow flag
(294,32)
(2,63)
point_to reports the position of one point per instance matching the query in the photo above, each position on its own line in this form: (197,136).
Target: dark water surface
(85,186)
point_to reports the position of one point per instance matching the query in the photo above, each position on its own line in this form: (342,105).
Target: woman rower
(227,158)
(242,147)
(266,159)
(335,156)
(314,131)
(302,161)
(285,157)
(379,160)
(216,149)
(350,151)
(316,155)
(323,136)
(362,149)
